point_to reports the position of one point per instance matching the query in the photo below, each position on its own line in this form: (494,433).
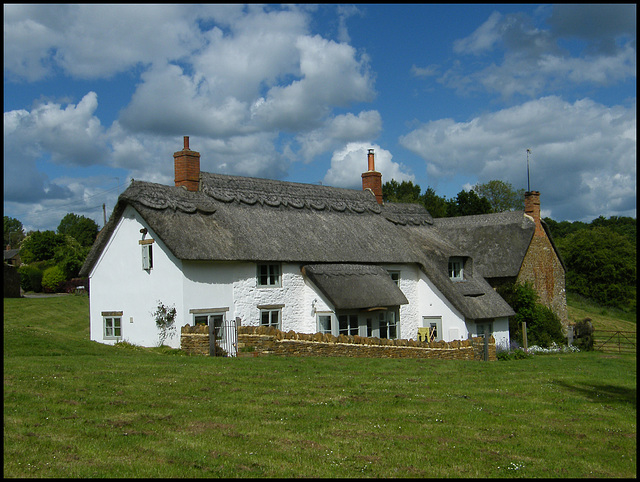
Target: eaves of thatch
(235,218)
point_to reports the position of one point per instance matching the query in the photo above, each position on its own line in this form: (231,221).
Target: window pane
(275,315)
(324,322)
(201,320)
(264,318)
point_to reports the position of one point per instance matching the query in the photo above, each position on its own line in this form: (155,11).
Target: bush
(53,278)
(583,335)
(30,278)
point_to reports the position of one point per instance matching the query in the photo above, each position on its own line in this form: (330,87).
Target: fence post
(486,343)
(524,336)
(212,339)
(570,336)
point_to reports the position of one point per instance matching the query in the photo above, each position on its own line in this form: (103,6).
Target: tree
(40,246)
(404,192)
(70,256)
(467,203)
(601,265)
(83,229)
(13,232)
(501,195)
(436,205)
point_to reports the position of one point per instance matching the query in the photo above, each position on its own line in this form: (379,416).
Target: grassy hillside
(74,408)
(603,318)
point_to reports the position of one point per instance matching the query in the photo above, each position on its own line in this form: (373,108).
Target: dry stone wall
(263,340)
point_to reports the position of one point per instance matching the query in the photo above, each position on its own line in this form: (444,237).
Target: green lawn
(74,408)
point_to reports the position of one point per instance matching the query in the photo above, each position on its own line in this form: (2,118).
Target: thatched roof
(355,286)
(236,218)
(497,242)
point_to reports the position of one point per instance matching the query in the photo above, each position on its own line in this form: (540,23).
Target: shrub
(165,318)
(52,278)
(30,278)
(583,335)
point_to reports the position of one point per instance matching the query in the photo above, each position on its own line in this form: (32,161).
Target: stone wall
(263,340)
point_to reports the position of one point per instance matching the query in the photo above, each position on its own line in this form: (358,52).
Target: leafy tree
(70,256)
(601,265)
(13,232)
(83,229)
(40,246)
(436,205)
(543,325)
(501,195)
(467,203)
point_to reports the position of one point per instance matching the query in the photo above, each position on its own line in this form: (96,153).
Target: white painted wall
(118,283)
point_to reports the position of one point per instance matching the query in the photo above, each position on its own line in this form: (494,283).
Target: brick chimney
(187,167)
(372,179)
(532,208)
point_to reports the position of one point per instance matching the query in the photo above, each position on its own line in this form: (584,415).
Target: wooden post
(524,336)
(486,343)
(212,339)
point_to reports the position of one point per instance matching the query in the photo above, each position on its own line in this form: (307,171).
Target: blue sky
(447,95)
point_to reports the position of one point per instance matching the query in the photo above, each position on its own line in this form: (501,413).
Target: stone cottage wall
(263,340)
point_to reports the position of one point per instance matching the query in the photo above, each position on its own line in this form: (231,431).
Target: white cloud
(338,130)
(574,147)
(348,164)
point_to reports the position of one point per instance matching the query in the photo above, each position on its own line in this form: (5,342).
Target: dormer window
(456,269)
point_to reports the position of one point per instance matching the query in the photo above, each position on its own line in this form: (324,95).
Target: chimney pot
(372,179)
(186,143)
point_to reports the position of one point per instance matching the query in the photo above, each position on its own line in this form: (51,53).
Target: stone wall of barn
(263,340)
(542,267)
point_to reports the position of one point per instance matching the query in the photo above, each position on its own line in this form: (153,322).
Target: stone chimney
(187,167)
(372,179)
(532,208)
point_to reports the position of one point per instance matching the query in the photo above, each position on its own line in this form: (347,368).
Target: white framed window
(269,275)
(147,257)
(348,325)
(388,325)
(434,324)
(112,323)
(484,327)
(395,277)
(270,317)
(324,322)
(456,269)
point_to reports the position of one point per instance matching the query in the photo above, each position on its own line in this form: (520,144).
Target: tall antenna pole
(528,185)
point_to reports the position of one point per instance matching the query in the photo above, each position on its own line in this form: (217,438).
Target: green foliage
(467,203)
(70,256)
(52,278)
(30,278)
(40,246)
(501,196)
(601,266)
(543,325)
(436,205)
(165,318)
(583,334)
(517,354)
(13,232)
(81,228)
(404,192)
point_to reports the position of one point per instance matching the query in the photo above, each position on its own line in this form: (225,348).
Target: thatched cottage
(299,257)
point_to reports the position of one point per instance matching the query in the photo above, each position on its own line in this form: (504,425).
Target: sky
(448,96)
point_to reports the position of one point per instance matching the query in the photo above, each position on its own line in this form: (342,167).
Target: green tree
(501,195)
(436,205)
(13,232)
(83,229)
(601,265)
(70,256)
(40,246)
(467,203)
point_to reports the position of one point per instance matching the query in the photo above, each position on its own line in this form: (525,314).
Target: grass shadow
(603,393)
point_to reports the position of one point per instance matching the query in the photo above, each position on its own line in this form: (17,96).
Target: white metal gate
(223,338)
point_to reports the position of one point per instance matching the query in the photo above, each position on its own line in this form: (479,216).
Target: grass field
(74,408)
